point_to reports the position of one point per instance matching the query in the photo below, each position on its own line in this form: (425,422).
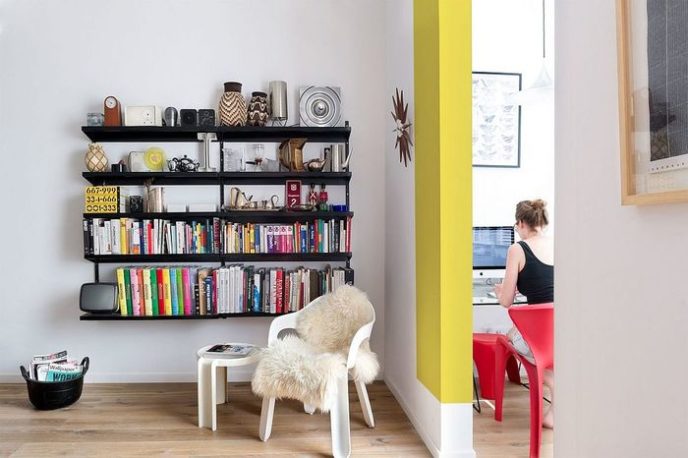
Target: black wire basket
(54,395)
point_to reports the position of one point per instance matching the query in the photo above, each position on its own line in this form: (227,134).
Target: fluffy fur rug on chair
(306,366)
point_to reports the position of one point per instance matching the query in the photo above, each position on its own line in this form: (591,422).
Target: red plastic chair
(485,347)
(536,325)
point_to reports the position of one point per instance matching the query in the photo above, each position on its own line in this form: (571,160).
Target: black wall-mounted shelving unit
(221,179)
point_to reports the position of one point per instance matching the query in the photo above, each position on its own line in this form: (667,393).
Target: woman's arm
(507,289)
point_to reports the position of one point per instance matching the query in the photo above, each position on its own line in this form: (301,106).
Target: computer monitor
(490,244)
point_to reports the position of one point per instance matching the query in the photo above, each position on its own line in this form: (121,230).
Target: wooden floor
(160,419)
(510,437)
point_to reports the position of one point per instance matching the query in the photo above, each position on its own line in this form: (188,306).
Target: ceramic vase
(95,158)
(258,109)
(233,110)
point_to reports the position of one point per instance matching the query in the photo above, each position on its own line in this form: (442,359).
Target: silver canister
(278,101)
(337,153)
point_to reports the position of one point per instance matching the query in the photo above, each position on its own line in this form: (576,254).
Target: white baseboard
(239,374)
(421,427)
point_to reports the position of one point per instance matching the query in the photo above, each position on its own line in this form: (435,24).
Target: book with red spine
(186,282)
(348,234)
(287,293)
(279,291)
(139,280)
(161,291)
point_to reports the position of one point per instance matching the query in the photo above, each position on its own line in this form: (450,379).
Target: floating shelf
(213,178)
(239,257)
(117,317)
(232,216)
(226,134)
(281,177)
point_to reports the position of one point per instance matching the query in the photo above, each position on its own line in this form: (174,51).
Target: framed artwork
(496,120)
(652,39)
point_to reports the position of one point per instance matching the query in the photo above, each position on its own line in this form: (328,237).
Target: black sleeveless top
(536,280)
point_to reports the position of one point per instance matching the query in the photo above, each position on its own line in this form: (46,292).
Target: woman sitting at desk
(530,270)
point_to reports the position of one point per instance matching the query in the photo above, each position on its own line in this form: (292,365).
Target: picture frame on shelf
(653,107)
(496,120)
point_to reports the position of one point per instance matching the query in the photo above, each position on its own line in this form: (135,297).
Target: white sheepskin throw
(306,367)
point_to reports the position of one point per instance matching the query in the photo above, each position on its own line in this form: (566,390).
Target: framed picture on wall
(653,100)
(496,120)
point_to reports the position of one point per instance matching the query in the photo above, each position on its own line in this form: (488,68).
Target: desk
(486,300)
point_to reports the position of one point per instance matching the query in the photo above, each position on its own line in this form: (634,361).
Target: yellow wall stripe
(443,134)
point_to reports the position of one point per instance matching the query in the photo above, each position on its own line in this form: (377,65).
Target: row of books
(319,236)
(189,290)
(54,367)
(150,236)
(122,236)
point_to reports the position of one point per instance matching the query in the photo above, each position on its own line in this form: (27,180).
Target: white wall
(622,311)
(507,37)
(60,59)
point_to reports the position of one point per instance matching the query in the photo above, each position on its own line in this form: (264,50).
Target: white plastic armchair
(339,415)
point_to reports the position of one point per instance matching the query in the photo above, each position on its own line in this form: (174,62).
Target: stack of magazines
(228,350)
(55,367)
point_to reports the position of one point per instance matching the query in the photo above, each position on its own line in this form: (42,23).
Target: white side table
(210,392)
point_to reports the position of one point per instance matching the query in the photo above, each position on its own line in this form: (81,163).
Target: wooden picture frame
(498,116)
(653,101)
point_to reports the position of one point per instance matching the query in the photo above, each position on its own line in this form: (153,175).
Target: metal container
(278,101)
(339,159)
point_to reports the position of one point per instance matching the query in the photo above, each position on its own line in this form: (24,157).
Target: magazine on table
(230,350)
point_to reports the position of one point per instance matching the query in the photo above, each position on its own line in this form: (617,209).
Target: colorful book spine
(161,291)
(186,282)
(121,292)
(147,303)
(168,291)
(173,290)
(180,291)
(154,291)
(127,286)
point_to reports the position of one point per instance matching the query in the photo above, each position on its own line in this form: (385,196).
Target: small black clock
(206,118)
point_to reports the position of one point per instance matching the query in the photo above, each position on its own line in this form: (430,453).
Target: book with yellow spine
(168,290)
(122,292)
(147,297)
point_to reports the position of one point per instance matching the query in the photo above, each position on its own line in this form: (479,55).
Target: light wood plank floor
(160,419)
(510,437)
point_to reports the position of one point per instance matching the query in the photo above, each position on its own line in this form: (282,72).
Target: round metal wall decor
(320,106)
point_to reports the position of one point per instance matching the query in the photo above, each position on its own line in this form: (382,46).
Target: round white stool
(210,392)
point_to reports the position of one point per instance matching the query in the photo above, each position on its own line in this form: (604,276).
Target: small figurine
(312,196)
(322,205)
(183,164)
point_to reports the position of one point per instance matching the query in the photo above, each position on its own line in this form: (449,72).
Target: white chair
(332,342)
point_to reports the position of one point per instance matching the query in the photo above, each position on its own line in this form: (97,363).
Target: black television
(490,244)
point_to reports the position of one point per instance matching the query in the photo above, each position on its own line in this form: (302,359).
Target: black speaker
(99,298)
(188,117)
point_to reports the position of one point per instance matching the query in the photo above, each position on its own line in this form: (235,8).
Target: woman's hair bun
(532,212)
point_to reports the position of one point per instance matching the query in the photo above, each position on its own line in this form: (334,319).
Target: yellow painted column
(443,172)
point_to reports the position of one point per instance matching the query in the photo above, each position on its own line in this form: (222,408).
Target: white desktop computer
(490,245)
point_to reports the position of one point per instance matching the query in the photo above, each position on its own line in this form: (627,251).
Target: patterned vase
(258,109)
(232,106)
(95,158)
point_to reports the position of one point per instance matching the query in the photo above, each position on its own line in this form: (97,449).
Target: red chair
(485,346)
(536,325)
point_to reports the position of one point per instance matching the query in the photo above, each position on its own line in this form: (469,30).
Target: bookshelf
(223,181)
